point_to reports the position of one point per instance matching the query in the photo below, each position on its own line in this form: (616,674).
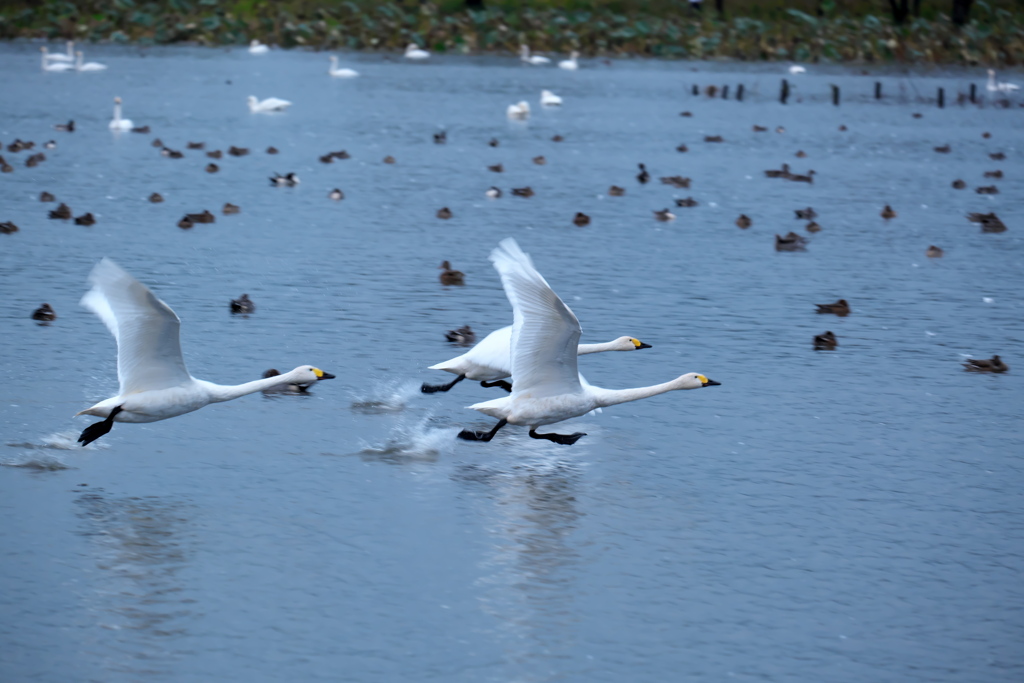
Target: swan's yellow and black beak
(705,382)
(320,374)
(639,344)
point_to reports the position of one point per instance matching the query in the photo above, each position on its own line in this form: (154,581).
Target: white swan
(340,73)
(155,384)
(570,64)
(117,123)
(549,99)
(58,57)
(490,361)
(519,112)
(89,66)
(546,387)
(60,66)
(258,48)
(797,69)
(536,60)
(269,104)
(413,51)
(994,86)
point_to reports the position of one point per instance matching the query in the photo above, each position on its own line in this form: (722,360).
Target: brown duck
(46,197)
(155,198)
(643,176)
(540,160)
(807,214)
(230,209)
(581,219)
(791,242)
(987,189)
(242,304)
(744,221)
(204,217)
(994,174)
(959,184)
(616,191)
(812,227)
(215,154)
(62,212)
(934,252)
(888,212)
(496,168)
(449,276)
(464,336)
(840,308)
(676,181)
(825,342)
(994,364)
(444,213)
(85,219)
(687,203)
(44,313)
(523,191)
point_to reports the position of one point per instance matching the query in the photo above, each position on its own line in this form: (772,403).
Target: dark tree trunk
(961,11)
(900,10)
(917,8)
(720,8)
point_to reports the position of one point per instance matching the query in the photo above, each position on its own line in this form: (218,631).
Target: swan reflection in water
(527,581)
(140,546)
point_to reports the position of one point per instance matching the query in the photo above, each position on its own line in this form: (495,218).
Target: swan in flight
(413,51)
(549,99)
(89,66)
(155,383)
(536,60)
(58,57)
(570,64)
(60,66)
(117,123)
(258,48)
(994,86)
(519,112)
(340,73)
(489,362)
(546,386)
(269,104)
(797,69)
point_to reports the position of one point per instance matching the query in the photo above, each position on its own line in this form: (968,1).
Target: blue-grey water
(848,515)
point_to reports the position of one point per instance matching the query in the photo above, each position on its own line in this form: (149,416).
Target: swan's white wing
(146,330)
(545,332)
(274,103)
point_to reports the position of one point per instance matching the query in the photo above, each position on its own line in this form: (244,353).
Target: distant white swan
(58,57)
(89,66)
(117,123)
(536,60)
(269,104)
(546,386)
(60,66)
(340,73)
(797,69)
(549,99)
(491,360)
(519,112)
(570,64)
(413,51)
(155,384)
(994,86)
(258,48)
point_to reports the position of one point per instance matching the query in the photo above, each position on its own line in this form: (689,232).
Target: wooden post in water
(942,98)
(878,90)
(739,92)
(835,95)
(784,93)
(696,89)
(974,93)
(725,92)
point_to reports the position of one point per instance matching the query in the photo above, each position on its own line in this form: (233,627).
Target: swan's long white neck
(78,64)
(223,392)
(584,349)
(611,397)
(117,105)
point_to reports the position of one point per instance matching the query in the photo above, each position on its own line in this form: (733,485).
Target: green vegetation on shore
(845,30)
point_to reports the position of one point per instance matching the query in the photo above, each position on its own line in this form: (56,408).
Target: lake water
(848,515)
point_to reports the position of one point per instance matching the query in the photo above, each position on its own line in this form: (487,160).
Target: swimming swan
(58,57)
(549,99)
(117,123)
(155,384)
(269,104)
(570,64)
(993,86)
(258,48)
(490,361)
(519,112)
(90,66)
(536,60)
(546,386)
(61,66)
(340,73)
(413,51)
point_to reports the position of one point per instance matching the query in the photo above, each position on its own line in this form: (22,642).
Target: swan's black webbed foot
(469,435)
(564,439)
(433,388)
(98,429)
(497,383)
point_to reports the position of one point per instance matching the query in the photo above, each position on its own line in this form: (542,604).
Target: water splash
(386,397)
(59,441)
(41,462)
(412,442)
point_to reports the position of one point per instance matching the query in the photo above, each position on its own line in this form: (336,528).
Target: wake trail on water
(388,396)
(414,441)
(36,456)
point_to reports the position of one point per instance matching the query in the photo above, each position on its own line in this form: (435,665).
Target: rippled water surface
(846,515)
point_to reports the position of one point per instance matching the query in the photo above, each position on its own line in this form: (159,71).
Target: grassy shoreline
(994,37)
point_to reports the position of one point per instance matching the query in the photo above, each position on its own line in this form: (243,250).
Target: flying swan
(269,104)
(489,362)
(546,386)
(155,384)
(333,70)
(117,123)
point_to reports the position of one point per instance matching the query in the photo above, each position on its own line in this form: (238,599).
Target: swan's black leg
(497,383)
(98,429)
(432,388)
(564,439)
(482,436)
